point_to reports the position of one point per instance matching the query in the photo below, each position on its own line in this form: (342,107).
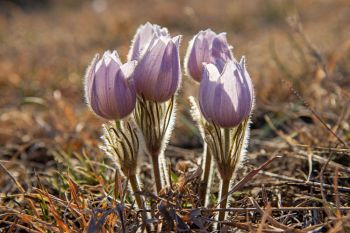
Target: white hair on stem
(165,141)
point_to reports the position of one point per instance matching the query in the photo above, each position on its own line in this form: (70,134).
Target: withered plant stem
(207,168)
(156,171)
(136,188)
(225,185)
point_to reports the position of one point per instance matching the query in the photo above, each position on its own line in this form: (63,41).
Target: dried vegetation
(54,178)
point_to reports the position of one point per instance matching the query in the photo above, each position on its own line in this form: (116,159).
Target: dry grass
(53,177)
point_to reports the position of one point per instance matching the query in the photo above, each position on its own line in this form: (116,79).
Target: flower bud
(206,47)
(226,98)
(143,37)
(157,75)
(107,88)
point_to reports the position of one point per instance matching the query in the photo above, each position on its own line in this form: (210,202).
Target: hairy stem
(207,170)
(140,203)
(225,185)
(156,171)
(135,188)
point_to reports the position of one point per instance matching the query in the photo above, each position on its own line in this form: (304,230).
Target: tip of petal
(229,65)
(208,31)
(98,63)
(164,39)
(114,54)
(177,40)
(242,62)
(128,68)
(226,69)
(210,71)
(206,35)
(109,56)
(222,34)
(95,60)
(145,26)
(155,28)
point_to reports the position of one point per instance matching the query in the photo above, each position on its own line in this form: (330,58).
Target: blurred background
(297,54)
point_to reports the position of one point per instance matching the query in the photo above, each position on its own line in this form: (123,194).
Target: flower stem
(205,181)
(140,203)
(225,185)
(156,172)
(136,189)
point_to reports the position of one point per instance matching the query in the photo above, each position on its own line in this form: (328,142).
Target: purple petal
(207,89)
(143,37)
(220,47)
(109,93)
(169,74)
(124,96)
(146,72)
(157,76)
(227,98)
(89,78)
(177,40)
(128,68)
(199,51)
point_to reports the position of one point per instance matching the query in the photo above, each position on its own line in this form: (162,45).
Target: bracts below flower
(156,121)
(122,144)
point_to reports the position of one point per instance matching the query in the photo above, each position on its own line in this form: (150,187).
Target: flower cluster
(145,86)
(139,98)
(152,71)
(226,99)
(226,93)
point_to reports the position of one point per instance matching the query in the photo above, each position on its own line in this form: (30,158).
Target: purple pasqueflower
(108,91)
(143,37)
(157,75)
(226,98)
(206,47)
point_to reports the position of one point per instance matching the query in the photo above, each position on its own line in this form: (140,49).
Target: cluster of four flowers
(146,86)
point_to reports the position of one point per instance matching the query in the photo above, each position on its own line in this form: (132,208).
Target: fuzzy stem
(156,171)
(207,170)
(135,189)
(165,178)
(225,185)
